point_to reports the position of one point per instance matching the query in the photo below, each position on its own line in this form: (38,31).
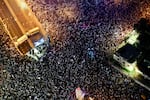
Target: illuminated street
(84,34)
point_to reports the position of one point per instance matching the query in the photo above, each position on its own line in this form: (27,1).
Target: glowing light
(23,5)
(130,68)
(133,37)
(134,73)
(39,42)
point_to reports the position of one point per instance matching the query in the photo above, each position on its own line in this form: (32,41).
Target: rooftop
(129,52)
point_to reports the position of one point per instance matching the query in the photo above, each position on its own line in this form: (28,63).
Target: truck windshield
(39,42)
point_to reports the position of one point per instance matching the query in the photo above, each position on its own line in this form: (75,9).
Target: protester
(80,95)
(80,32)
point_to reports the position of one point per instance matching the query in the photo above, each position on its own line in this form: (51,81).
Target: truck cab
(31,44)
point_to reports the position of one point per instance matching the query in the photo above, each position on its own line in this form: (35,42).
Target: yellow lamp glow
(23,5)
(132,73)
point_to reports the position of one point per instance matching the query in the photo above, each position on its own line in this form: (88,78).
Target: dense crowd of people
(84,35)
